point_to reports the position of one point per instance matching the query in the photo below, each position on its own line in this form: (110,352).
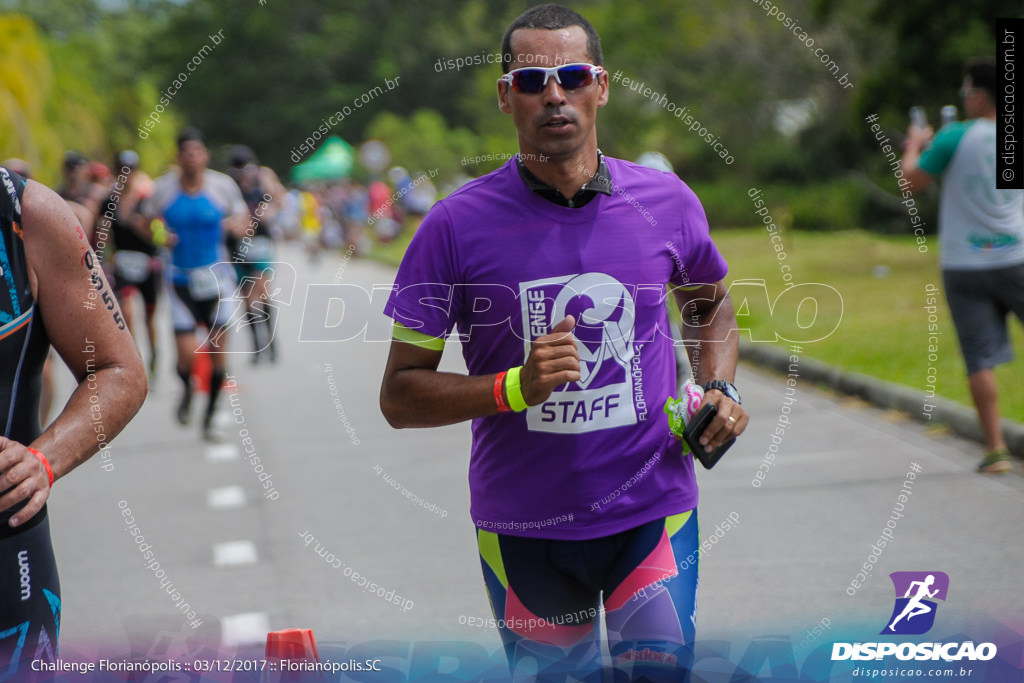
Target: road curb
(961,419)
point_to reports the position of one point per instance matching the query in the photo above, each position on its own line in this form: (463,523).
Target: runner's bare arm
(415,394)
(138,222)
(917,140)
(708,317)
(86,218)
(272,186)
(237,223)
(84,324)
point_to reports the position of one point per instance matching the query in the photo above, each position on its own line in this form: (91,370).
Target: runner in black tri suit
(253,253)
(48,276)
(136,262)
(22,168)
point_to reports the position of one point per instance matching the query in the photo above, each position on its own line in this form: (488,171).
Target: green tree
(76,87)
(424,142)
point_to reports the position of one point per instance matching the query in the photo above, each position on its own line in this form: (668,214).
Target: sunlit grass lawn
(884,326)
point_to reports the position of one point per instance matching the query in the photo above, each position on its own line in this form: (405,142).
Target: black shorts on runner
(214,309)
(29,598)
(148,289)
(135,270)
(980,302)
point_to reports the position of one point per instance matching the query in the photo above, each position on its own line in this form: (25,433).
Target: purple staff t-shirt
(503,266)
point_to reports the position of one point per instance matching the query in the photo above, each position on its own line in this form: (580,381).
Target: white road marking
(222,452)
(226,498)
(234,553)
(249,628)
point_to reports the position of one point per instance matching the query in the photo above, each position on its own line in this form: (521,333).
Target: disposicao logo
(914,612)
(913,615)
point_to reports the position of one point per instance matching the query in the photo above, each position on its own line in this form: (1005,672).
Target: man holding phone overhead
(981,234)
(554,268)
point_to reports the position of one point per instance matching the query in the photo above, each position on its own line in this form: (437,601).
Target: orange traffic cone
(202,366)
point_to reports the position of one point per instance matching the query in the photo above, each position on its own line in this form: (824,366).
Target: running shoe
(996,462)
(210,433)
(185,408)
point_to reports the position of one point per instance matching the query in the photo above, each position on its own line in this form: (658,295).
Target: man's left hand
(728,423)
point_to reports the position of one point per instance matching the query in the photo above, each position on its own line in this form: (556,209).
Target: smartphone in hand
(692,434)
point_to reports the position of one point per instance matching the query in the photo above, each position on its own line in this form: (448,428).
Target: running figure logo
(914,613)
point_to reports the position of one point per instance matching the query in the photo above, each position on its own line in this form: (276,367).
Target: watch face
(725,387)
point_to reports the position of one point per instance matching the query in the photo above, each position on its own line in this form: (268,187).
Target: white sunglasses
(533,79)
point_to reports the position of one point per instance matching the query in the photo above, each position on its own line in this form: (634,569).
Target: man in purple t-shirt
(553,270)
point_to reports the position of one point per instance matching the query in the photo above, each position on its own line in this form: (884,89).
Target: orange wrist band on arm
(46,463)
(499,393)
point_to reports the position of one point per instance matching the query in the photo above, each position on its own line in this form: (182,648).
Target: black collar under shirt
(601,182)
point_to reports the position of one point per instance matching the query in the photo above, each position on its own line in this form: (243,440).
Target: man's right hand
(23,477)
(553,361)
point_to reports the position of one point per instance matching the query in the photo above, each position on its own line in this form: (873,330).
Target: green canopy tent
(333,161)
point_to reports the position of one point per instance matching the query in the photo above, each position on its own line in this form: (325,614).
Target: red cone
(292,643)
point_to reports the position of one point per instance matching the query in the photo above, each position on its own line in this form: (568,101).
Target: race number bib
(132,266)
(203,284)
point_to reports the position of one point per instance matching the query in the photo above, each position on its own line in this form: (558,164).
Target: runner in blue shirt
(199,206)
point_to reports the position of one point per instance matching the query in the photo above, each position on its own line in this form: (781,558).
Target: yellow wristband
(514,391)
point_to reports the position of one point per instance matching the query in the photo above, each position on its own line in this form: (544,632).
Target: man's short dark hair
(982,72)
(190,134)
(550,17)
(73,160)
(241,156)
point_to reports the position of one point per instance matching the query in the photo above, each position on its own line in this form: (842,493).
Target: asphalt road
(247,563)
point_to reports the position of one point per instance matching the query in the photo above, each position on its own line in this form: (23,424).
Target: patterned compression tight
(547,597)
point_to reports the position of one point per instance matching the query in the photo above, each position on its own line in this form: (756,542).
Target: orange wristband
(46,463)
(499,393)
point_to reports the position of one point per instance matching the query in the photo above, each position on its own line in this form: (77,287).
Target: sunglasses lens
(574,76)
(528,80)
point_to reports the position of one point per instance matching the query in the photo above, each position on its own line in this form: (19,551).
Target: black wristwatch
(726,388)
